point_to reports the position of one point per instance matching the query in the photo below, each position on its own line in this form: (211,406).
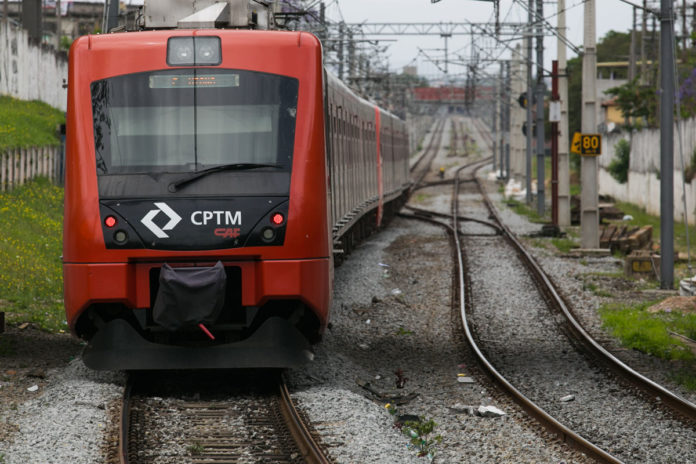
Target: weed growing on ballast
(419,432)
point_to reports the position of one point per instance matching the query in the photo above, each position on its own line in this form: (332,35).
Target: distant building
(411,70)
(77,18)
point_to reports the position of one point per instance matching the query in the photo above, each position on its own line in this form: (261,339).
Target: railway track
(210,436)
(421,166)
(213,419)
(573,431)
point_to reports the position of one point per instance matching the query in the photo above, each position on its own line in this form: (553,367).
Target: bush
(618,168)
(690,170)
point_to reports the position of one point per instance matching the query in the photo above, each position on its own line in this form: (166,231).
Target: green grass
(611,275)
(31,280)
(649,333)
(523,210)
(564,245)
(27,123)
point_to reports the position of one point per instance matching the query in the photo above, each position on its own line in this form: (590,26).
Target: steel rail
(676,402)
(310,449)
(124,429)
(549,422)
(311,452)
(553,425)
(430,151)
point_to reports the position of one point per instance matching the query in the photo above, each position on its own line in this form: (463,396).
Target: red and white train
(210,173)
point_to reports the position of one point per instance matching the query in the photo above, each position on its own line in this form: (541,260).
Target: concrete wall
(643,186)
(29,72)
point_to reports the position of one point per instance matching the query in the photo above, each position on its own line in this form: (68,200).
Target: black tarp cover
(189,296)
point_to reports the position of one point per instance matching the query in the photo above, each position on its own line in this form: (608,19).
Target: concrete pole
(508,115)
(555,97)
(666,145)
(110,15)
(684,31)
(501,137)
(540,91)
(530,93)
(341,38)
(495,130)
(446,37)
(59,26)
(517,116)
(632,49)
(589,201)
(563,136)
(351,58)
(643,57)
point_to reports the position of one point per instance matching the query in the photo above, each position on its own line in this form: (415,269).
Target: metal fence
(20,165)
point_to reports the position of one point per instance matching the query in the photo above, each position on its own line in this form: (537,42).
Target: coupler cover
(188,296)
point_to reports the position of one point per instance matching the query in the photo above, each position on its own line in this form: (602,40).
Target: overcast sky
(611,14)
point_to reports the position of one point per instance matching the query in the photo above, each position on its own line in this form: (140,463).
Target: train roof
(338,82)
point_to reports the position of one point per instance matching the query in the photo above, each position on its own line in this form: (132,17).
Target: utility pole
(502,100)
(563,137)
(666,146)
(589,218)
(517,163)
(323,32)
(530,90)
(59,26)
(555,97)
(632,58)
(341,29)
(110,15)
(693,23)
(540,90)
(351,57)
(32,19)
(446,37)
(632,49)
(685,33)
(508,117)
(643,35)
(495,127)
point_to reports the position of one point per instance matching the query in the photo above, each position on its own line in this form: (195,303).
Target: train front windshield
(187,120)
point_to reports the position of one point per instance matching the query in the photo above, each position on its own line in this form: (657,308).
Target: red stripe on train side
(380,185)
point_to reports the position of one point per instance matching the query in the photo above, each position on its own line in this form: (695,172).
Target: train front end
(196,231)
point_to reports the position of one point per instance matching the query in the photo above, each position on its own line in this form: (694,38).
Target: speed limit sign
(590,144)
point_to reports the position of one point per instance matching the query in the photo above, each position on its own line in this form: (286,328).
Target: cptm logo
(164,208)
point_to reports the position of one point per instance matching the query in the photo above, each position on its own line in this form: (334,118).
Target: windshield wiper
(174,186)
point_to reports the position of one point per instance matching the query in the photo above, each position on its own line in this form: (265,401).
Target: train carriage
(210,174)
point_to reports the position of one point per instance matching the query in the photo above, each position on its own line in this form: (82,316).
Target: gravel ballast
(392,311)
(66,422)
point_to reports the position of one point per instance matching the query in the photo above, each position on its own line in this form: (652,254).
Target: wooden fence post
(3,166)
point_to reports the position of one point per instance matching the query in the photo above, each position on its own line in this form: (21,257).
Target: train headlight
(268,234)
(194,51)
(120,237)
(110,222)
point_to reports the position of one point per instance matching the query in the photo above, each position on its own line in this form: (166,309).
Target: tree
(636,101)
(614,46)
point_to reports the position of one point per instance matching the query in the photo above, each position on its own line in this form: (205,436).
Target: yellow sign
(590,144)
(575,146)
(586,144)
